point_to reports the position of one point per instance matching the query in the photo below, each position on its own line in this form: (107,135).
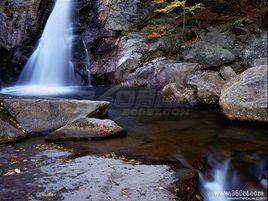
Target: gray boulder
(87,129)
(130,55)
(244,97)
(227,72)
(179,94)
(208,87)
(255,52)
(208,55)
(160,72)
(225,40)
(40,115)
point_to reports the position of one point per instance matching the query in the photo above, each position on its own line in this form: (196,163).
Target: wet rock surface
(88,129)
(244,97)
(50,173)
(41,115)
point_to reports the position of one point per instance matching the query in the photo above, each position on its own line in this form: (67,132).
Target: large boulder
(40,115)
(225,39)
(130,56)
(208,54)
(179,94)
(87,129)
(255,52)
(208,87)
(160,72)
(244,97)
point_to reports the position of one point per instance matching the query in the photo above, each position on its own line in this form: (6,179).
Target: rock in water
(87,129)
(160,72)
(244,97)
(208,87)
(9,130)
(40,115)
(179,94)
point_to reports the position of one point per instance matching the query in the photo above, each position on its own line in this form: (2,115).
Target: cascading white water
(88,64)
(222,180)
(50,70)
(50,64)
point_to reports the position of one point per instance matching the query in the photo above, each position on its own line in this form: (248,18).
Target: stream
(230,158)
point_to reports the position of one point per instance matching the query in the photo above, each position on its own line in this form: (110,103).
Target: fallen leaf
(17,171)
(124,193)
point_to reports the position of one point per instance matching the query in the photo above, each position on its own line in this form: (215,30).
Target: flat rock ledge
(43,115)
(88,129)
(244,98)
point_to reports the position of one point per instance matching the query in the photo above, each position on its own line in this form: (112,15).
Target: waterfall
(88,64)
(223,179)
(50,64)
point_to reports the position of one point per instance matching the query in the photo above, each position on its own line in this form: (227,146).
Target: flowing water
(223,179)
(50,68)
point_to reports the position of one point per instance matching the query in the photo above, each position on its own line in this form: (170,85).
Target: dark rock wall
(21,22)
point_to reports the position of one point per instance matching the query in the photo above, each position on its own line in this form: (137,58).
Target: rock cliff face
(20,24)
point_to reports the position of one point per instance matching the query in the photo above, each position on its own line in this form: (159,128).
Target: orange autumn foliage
(153,36)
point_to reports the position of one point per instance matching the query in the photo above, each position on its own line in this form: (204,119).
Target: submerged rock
(87,129)
(208,55)
(208,87)
(40,115)
(245,96)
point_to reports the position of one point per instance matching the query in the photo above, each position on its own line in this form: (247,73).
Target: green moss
(242,22)
(2,6)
